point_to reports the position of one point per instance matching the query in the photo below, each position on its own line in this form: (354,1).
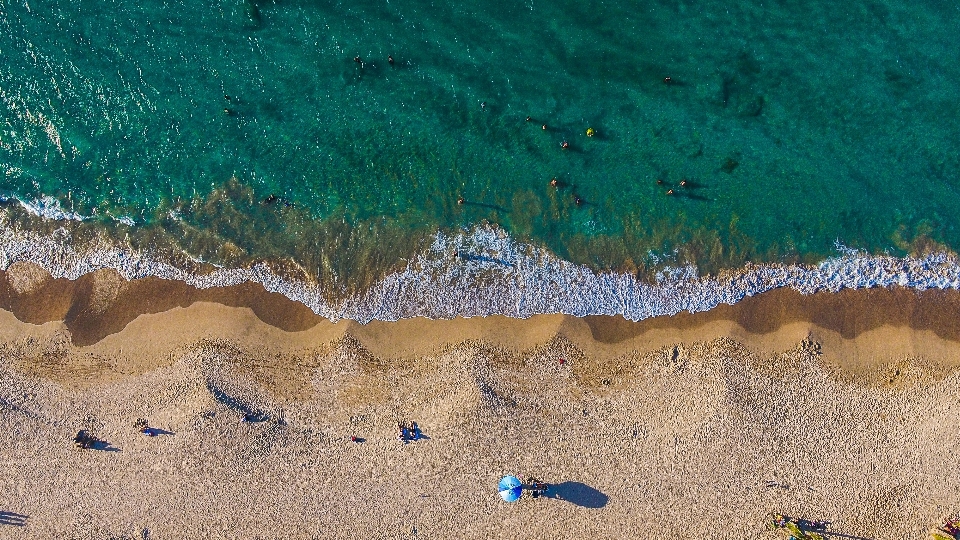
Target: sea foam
(483,271)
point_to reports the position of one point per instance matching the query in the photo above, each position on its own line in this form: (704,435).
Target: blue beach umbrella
(510,488)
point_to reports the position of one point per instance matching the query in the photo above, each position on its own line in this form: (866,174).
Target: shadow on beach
(13,519)
(103,446)
(579,494)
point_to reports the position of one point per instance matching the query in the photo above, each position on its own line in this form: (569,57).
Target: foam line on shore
(484,271)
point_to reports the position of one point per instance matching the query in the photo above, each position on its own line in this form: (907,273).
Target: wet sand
(832,406)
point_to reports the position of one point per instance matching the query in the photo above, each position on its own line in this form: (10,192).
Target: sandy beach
(842,407)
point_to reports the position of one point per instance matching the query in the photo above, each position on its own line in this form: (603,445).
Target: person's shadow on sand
(13,519)
(154,431)
(103,446)
(579,494)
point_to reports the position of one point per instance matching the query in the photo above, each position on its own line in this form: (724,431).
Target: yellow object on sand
(591,132)
(940,534)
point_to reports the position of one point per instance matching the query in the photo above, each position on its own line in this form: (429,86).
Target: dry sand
(841,407)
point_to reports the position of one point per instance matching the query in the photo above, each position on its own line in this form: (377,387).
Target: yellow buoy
(591,132)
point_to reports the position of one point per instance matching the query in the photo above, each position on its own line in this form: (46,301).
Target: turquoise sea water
(239,130)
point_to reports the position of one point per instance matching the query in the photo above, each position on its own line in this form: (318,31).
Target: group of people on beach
(536,488)
(949,530)
(406,432)
(84,440)
(143,426)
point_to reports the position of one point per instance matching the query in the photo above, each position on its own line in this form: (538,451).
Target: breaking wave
(483,271)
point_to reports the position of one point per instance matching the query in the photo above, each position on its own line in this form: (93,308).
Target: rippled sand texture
(838,407)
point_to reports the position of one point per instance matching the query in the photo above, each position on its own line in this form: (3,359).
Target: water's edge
(483,271)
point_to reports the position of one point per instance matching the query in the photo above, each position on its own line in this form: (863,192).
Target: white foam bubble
(49,208)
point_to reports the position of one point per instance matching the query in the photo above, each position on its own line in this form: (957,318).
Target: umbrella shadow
(13,519)
(579,494)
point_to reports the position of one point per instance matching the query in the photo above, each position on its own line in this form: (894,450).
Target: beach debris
(798,528)
(950,530)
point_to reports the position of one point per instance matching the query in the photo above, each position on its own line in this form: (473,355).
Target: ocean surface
(388,159)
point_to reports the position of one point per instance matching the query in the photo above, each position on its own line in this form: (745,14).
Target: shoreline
(485,272)
(864,334)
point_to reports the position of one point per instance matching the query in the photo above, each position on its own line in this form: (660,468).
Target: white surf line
(482,271)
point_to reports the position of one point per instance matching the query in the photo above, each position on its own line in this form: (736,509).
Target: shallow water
(245,129)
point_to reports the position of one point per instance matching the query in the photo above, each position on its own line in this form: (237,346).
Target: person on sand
(83,440)
(536,487)
(401,432)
